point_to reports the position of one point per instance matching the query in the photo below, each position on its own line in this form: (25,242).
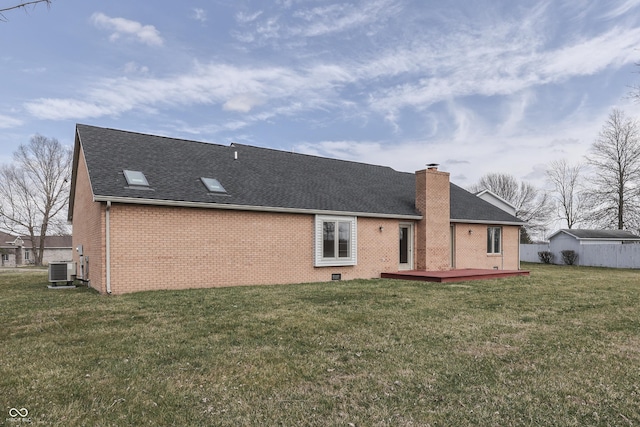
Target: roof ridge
(152,135)
(317,156)
(237,144)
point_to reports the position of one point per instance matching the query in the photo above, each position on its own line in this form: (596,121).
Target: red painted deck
(453,275)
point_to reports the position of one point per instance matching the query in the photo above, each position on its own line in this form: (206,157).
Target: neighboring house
(152,212)
(56,248)
(598,248)
(572,239)
(16,251)
(8,250)
(497,201)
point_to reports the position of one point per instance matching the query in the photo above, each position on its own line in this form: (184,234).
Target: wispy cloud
(503,62)
(339,17)
(590,55)
(35,70)
(515,112)
(134,68)
(67,108)
(622,9)
(305,22)
(199,14)
(7,122)
(500,67)
(245,18)
(344,149)
(236,89)
(147,34)
(242,103)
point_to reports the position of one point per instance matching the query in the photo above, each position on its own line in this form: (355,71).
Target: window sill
(335,263)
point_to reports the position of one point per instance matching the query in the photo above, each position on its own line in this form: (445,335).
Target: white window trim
(500,242)
(319,260)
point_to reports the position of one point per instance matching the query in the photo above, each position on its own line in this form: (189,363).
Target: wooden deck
(453,275)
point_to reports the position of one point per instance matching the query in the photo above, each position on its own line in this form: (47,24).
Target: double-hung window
(335,240)
(494,240)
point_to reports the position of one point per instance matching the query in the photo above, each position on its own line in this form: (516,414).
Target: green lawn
(561,347)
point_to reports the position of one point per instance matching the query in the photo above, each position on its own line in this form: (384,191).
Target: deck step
(453,275)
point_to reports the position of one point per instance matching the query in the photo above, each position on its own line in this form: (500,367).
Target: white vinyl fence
(529,253)
(616,256)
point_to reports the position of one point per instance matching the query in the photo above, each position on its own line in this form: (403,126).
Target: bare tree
(615,157)
(532,205)
(35,191)
(22,5)
(568,194)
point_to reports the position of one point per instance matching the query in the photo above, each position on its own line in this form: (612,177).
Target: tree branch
(22,5)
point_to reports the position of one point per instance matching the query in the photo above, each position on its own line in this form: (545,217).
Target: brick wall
(471,248)
(433,250)
(88,229)
(156,247)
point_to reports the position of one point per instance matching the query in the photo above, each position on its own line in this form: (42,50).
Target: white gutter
(483,221)
(176,203)
(108,247)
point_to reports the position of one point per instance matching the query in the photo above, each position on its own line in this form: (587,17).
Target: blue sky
(482,86)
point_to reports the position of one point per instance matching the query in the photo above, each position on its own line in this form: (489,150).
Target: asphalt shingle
(257,177)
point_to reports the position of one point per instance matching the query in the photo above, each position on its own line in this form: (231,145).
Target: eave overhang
(488,222)
(275,209)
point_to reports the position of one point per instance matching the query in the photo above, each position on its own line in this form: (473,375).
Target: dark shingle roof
(50,241)
(5,239)
(259,177)
(599,234)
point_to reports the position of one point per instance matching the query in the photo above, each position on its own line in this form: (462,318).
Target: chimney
(433,231)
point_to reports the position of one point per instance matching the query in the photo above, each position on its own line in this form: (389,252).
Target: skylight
(136,178)
(213,185)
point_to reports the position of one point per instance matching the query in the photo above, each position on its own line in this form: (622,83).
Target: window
(213,185)
(27,254)
(335,241)
(136,178)
(494,240)
(5,257)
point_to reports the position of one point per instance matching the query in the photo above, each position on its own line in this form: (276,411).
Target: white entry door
(406,247)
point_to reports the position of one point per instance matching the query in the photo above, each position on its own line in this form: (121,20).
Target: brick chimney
(433,232)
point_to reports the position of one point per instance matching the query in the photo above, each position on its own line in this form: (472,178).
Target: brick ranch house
(151,212)
(16,251)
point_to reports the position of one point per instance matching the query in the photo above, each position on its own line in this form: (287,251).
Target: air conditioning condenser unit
(62,271)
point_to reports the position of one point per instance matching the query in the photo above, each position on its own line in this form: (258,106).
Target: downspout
(519,237)
(502,250)
(108,248)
